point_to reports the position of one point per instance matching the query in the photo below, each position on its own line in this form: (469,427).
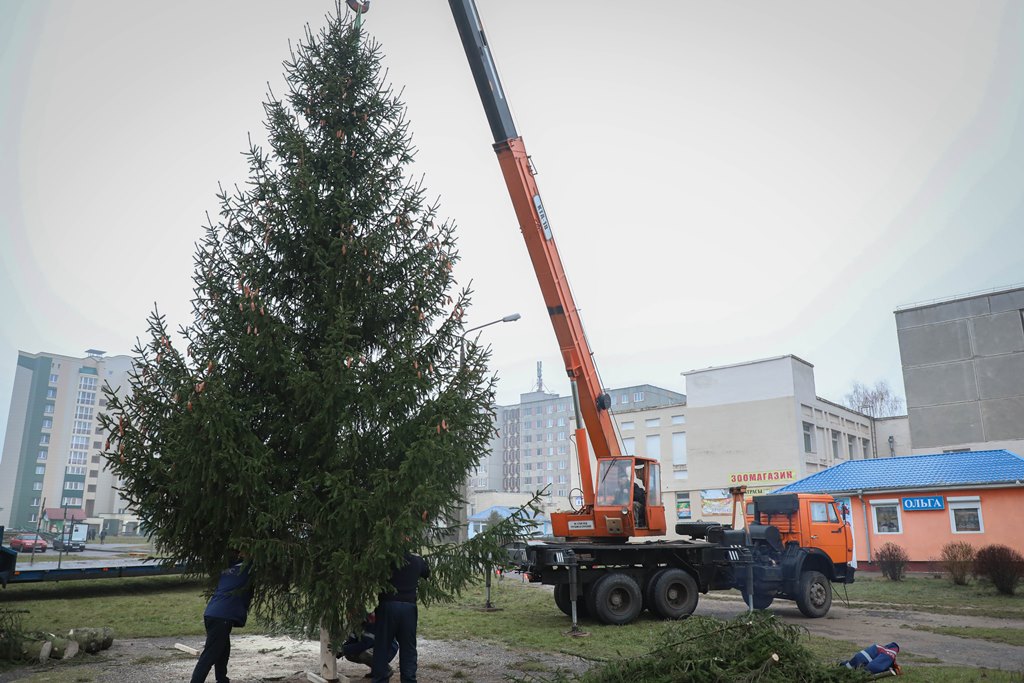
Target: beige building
(51,453)
(758,424)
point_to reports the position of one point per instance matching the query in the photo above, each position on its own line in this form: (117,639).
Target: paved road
(864,626)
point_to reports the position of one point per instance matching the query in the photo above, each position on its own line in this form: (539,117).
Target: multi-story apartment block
(963,368)
(51,451)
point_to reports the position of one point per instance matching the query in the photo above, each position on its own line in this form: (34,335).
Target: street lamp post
(463,533)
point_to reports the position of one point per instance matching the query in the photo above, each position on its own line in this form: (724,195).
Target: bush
(892,560)
(1001,565)
(958,560)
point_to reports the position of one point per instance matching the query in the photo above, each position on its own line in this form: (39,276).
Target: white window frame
(638,396)
(678,419)
(652,422)
(628,425)
(808,433)
(875,504)
(965,503)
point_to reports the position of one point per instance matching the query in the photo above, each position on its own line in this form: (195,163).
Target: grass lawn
(1010,636)
(526,620)
(930,594)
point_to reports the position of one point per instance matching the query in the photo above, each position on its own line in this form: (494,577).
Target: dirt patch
(255,659)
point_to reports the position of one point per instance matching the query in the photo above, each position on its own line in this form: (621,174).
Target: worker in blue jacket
(397,615)
(228,607)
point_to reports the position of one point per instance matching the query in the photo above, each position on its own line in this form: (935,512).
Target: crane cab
(627,502)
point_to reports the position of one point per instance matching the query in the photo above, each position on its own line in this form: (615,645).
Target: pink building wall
(924,532)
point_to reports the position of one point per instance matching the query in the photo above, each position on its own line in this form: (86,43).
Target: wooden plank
(186,649)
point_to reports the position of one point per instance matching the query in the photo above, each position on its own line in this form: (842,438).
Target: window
(965,515)
(97,445)
(562,464)
(679,450)
(540,451)
(79,442)
(562,450)
(48,409)
(629,446)
(51,392)
(82,427)
(652,444)
(44,440)
(528,466)
(528,438)
(678,419)
(561,422)
(74,470)
(528,411)
(836,448)
(77,458)
(83,413)
(37,486)
(867,449)
(53,379)
(550,424)
(68,501)
(852,443)
(549,466)
(628,425)
(74,486)
(561,436)
(47,423)
(88,383)
(99,429)
(808,437)
(103,402)
(34,503)
(94,473)
(823,512)
(561,478)
(624,399)
(638,396)
(86,397)
(653,422)
(41,455)
(887,516)
(683,505)
(40,469)
(561,407)
(561,492)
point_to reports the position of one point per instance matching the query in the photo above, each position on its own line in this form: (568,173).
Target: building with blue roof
(923,502)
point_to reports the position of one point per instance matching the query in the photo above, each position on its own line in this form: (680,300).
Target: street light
(510,318)
(463,513)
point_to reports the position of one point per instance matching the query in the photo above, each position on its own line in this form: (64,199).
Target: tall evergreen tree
(320,413)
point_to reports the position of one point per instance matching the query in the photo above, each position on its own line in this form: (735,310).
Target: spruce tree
(322,410)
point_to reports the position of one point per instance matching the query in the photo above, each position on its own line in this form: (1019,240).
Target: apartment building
(963,368)
(51,452)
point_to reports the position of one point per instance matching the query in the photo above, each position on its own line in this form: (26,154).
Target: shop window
(965,515)
(887,517)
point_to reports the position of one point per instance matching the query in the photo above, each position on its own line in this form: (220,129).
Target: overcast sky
(726,181)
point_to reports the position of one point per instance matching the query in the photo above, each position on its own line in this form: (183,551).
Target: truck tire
(672,594)
(615,599)
(565,604)
(814,596)
(761,600)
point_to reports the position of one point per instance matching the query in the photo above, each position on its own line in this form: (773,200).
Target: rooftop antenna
(540,378)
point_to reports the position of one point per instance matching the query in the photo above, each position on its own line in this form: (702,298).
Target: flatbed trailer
(10,573)
(615,582)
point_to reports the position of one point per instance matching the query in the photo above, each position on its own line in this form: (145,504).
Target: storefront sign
(765,478)
(924,503)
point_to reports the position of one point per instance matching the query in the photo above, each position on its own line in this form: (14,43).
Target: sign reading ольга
(924,503)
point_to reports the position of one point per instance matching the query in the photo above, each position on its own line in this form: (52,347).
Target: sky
(725,181)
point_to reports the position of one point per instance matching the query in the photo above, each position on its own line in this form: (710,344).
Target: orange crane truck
(597,570)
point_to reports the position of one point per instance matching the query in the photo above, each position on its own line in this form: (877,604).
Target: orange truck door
(826,530)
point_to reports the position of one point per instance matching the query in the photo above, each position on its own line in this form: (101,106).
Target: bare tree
(876,401)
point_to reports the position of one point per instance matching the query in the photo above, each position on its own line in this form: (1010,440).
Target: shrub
(1001,565)
(892,560)
(958,560)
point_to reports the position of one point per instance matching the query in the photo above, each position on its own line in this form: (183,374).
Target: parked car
(29,543)
(67,544)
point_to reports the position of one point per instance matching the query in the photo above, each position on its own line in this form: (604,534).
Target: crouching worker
(875,659)
(359,648)
(228,607)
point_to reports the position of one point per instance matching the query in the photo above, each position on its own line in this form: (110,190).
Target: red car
(29,543)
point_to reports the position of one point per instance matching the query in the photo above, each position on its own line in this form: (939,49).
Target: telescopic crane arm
(515,164)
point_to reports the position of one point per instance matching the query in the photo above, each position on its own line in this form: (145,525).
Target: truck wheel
(672,594)
(615,599)
(761,600)
(814,597)
(565,604)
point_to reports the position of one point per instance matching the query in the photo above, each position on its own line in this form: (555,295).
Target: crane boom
(540,243)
